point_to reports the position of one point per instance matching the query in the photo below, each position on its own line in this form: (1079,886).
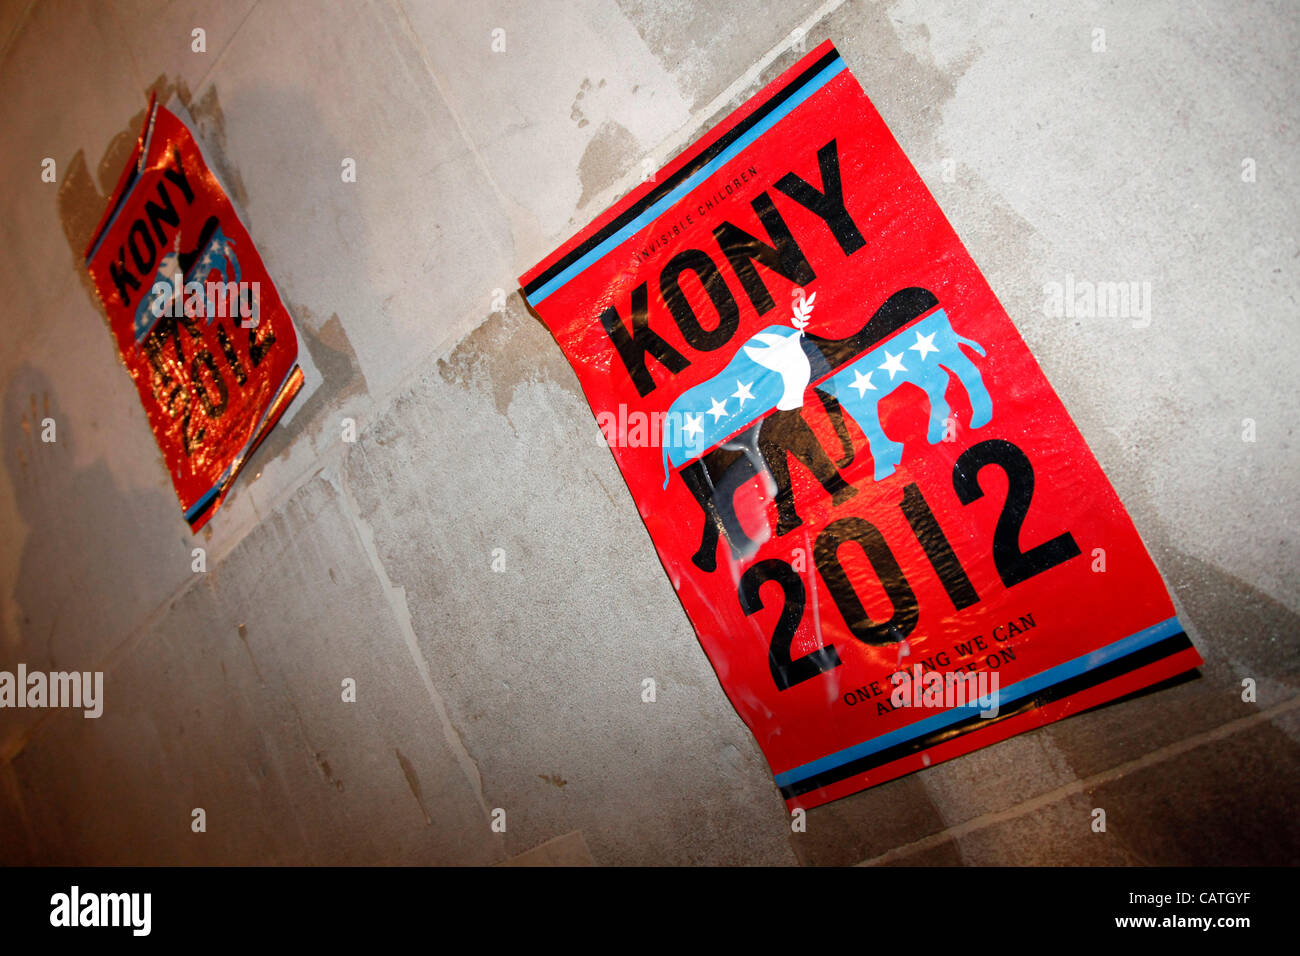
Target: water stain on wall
(505,351)
(609,155)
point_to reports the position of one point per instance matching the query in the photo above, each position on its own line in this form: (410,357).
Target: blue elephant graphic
(924,355)
(214,250)
(747,420)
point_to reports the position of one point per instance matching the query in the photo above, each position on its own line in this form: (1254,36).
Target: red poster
(891,539)
(197,320)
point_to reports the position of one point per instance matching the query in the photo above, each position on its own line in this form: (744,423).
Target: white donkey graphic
(785,355)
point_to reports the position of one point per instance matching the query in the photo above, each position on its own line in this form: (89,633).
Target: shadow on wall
(323,340)
(75,573)
(100,553)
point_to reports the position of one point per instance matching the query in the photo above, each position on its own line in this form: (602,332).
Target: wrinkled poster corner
(892,541)
(196,318)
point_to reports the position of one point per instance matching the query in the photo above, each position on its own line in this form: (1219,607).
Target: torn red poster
(196,317)
(891,539)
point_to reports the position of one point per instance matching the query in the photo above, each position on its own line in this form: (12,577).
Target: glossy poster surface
(892,541)
(196,317)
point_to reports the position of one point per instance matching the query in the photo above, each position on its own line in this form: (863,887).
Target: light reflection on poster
(196,317)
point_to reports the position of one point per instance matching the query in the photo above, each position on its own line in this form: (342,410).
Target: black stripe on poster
(1140,658)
